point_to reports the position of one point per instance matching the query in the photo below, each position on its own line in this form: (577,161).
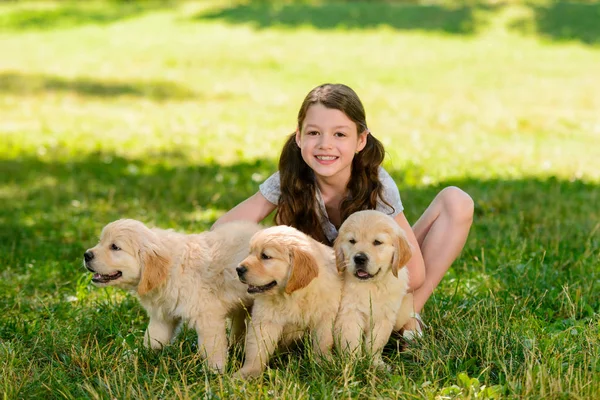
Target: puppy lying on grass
(178,277)
(297,290)
(371,251)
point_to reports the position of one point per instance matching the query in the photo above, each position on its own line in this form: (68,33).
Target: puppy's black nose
(241,270)
(360,259)
(88,256)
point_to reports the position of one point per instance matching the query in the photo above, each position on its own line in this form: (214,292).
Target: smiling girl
(330,167)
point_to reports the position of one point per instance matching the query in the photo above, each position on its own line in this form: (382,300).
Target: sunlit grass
(173,112)
(424,91)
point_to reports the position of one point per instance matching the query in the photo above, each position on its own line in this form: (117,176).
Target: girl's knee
(457,203)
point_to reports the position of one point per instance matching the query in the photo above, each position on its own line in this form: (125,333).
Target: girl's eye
(340,134)
(114,247)
(377,242)
(312,133)
(352,241)
(264,256)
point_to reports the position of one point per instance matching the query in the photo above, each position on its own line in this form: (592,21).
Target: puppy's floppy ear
(402,254)
(340,261)
(304,270)
(155,264)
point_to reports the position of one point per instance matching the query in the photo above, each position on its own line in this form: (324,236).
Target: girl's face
(328,141)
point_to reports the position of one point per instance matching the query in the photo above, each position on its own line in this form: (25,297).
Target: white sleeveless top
(271,190)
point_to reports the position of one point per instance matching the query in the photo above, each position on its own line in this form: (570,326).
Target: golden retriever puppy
(371,251)
(178,277)
(297,290)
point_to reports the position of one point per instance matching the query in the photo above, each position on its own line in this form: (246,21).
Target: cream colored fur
(179,277)
(371,245)
(304,296)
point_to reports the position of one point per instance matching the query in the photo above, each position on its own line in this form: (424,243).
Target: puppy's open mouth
(259,289)
(364,275)
(100,278)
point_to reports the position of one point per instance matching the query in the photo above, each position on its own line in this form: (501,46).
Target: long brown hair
(297,204)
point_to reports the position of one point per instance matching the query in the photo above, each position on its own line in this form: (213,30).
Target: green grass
(173,112)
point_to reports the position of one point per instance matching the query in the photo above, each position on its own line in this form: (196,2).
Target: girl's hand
(255,209)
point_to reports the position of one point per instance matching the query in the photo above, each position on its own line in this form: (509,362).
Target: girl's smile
(326,160)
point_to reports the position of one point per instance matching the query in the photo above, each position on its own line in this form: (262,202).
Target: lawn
(173,112)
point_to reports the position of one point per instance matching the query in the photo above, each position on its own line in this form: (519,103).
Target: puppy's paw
(247,373)
(324,355)
(380,365)
(218,369)
(152,343)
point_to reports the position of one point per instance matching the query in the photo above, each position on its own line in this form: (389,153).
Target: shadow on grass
(27,84)
(555,20)
(564,21)
(530,236)
(40,16)
(455,19)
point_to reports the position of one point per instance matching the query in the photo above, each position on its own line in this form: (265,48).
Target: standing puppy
(371,250)
(178,277)
(297,289)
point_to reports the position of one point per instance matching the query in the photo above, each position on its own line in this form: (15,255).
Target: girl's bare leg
(441,231)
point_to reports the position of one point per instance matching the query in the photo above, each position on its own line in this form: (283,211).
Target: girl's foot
(414,327)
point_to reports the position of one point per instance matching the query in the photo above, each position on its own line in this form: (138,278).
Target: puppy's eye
(377,242)
(114,247)
(352,241)
(264,256)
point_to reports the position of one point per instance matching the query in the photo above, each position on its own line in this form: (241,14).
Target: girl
(331,167)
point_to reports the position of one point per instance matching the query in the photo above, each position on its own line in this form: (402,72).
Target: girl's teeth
(326,158)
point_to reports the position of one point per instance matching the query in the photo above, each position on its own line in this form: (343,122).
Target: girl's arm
(416,265)
(255,208)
